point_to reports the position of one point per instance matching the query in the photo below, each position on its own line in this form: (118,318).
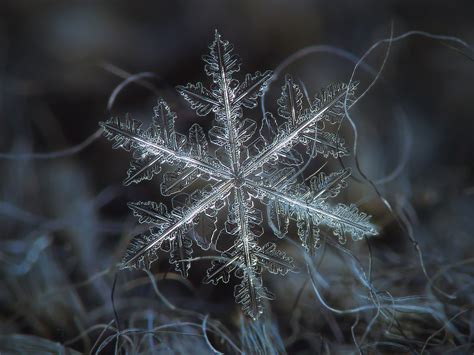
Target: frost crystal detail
(241,166)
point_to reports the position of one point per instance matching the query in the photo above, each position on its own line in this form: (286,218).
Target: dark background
(59,63)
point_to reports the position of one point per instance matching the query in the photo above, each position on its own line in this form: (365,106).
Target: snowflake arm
(246,259)
(250,292)
(299,124)
(155,145)
(341,219)
(166,226)
(226,99)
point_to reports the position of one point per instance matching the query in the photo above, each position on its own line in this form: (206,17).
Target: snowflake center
(238,179)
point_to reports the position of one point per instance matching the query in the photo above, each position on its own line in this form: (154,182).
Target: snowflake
(240,168)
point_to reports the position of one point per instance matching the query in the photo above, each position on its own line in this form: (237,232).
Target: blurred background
(64,222)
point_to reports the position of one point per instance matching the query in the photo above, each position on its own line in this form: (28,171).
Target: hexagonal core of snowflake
(239,163)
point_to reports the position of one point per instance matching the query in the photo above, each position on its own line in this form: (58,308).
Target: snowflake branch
(114,130)
(234,158)
(253,85)
(290,139)
(249,292)
(197,92)
(325,214)
(245,238)
(220,191)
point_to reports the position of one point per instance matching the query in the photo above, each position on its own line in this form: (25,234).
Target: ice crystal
(239,165)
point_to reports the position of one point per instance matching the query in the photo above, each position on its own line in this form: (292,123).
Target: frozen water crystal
(240,162)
